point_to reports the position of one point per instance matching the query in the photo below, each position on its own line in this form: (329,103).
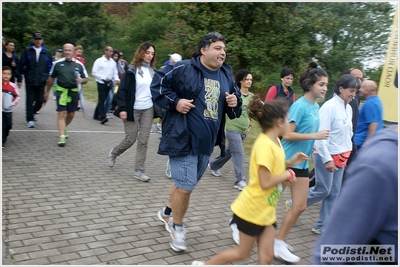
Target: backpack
(281,93)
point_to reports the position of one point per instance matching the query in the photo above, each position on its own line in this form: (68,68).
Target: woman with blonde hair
(135,107)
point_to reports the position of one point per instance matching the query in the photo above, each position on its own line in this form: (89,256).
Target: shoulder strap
(278,89)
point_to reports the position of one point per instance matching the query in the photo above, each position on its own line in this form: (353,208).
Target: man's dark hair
(207,40)
(287,71)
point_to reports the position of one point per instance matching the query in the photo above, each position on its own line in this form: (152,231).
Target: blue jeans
(110,98)
(235,151)
(187,171)
(327,187)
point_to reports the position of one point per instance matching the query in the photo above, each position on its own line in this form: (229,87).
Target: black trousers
(7,125)
(100,111)
(34,100)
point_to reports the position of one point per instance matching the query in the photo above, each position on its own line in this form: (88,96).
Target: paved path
(66,206)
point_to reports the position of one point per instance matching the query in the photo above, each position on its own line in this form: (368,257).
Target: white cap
(176,57)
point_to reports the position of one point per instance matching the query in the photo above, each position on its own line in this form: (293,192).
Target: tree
(147,22)
(353,33)
(264,37)
(76,23)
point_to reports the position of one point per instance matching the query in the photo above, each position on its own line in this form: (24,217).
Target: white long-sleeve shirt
(337,118)
(104,68)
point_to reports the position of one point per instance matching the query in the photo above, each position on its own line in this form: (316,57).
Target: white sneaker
(111,159)
(108,116)
(178,238)
(240,185)
(235,231)
(168,171)
(159,128)
(316,230)
(288,205)
(141,176)
(216,173)
(281,251)
(166,219)
(198,263)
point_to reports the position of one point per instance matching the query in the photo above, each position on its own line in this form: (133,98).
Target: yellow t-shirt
(254,204)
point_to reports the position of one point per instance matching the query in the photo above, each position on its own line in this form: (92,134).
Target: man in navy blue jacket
(195,94)
(35,65)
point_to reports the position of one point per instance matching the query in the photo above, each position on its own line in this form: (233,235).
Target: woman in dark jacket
(135,107)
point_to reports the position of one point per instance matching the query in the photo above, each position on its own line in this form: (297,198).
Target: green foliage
(352,33)
(70,22)
(148,22)
(263,37)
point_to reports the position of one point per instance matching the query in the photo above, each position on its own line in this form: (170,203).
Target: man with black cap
(35,65)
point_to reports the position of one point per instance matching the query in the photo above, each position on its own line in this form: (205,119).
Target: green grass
(90,90)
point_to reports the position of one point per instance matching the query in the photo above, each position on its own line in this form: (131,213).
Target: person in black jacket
(35,65)
(10,58)
(195,94)
(135,107)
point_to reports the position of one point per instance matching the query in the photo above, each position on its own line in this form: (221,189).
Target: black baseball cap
(37,35)
(58,50)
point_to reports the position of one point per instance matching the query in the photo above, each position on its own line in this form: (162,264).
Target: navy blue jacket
(35,73)
(185,79)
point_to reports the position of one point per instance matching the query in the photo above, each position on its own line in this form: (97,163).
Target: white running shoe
(111,159)
(141,176)
(216,173)
(198,263)
(281,251)
(166,219)
(168,171)
(178,238)
(240,185)
(235,231)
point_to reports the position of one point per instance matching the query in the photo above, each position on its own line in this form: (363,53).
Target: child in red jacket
(10,98)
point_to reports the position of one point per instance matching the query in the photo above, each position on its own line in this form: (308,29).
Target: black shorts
(301,173)
(248,228)
(71,106)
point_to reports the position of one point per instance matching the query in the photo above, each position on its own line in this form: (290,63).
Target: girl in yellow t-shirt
(254,208)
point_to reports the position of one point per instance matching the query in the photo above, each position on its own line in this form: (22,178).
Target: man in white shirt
(105,72)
